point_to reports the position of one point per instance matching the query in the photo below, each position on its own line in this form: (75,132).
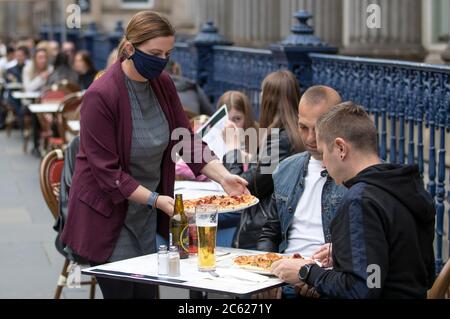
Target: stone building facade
(409,29)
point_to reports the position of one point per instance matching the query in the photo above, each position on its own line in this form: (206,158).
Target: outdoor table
(44,108)
(14,86)
(26,95)
(232,281)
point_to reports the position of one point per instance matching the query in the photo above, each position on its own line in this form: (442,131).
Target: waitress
(123,183)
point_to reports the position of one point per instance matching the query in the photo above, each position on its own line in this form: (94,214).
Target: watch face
(303,273)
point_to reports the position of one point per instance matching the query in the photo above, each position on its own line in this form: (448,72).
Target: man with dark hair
(14,75)
(383,233)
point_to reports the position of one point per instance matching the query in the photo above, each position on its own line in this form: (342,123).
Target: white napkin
(241,275)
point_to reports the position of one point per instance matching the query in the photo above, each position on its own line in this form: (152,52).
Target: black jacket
(382,237)
(260,184)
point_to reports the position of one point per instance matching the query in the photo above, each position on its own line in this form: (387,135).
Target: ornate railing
(185,56)
(404,98)
(241,69)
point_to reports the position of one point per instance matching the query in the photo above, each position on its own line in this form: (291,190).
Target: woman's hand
(234,185)
(166,204)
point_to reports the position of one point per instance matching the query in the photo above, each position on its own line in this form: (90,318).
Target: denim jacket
(289,184)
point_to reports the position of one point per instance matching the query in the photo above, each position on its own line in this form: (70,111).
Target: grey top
(150,138)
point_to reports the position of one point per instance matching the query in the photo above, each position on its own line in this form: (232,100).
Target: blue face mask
(149,66)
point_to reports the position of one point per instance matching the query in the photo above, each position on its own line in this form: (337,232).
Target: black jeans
(119,289)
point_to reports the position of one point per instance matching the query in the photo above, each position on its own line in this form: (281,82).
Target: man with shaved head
(305,198)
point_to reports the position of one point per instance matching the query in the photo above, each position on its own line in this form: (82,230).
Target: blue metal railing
(241,69)
(407,95)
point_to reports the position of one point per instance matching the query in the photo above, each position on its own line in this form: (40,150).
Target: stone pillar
(446,54)
(327,18)
(252,23)
(217,11)
(255,22)
(293,52)
(183,16)
(399,36)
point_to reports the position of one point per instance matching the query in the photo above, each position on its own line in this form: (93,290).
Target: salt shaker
(163,260)
(174,262)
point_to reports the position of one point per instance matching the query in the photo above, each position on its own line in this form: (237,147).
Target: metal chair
(50,177)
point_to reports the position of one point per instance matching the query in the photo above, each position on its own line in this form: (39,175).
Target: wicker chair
(50,178)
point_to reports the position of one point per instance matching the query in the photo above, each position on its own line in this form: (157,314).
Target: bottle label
(184,239)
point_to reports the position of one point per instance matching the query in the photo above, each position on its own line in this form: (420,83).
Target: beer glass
(206,220)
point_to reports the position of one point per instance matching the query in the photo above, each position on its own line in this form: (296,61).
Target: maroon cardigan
(102,183)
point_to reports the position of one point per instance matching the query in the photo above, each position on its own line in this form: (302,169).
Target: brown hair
(279,105)
(350,122)
(240,102)
(35,70)
(144,26)
(86,57)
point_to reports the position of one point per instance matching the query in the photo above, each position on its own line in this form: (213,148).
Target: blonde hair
(144,26)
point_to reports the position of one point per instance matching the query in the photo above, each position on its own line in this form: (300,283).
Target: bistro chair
(57,93)
(50,177)
(69,110)
(441,286)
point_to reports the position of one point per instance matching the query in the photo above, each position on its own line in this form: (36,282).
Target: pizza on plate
(261,261)
(223,202)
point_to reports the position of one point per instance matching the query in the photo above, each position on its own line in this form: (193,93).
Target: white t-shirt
(306,231)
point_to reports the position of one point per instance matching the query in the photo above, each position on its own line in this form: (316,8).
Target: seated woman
(240,115)
(85,68)
(279,110)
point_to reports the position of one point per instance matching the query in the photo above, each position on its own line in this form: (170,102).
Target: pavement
(29,263)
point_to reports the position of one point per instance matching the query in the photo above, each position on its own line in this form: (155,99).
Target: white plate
(253,269)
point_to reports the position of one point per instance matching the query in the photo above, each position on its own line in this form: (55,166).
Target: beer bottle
(179,228)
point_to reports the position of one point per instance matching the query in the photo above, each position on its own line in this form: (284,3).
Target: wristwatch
(152,200)
(303,273)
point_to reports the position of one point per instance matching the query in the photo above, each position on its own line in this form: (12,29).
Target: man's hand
(324,256)
(56,188)
(269,294)
(304,290)
(166,204)
(287,269)
(234,185)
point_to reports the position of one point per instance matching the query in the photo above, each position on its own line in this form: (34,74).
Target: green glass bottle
(179,228)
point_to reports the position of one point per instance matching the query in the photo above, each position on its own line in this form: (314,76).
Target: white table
(74,125)
(233,281)
(44,108)
(14,86)
(26,95)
